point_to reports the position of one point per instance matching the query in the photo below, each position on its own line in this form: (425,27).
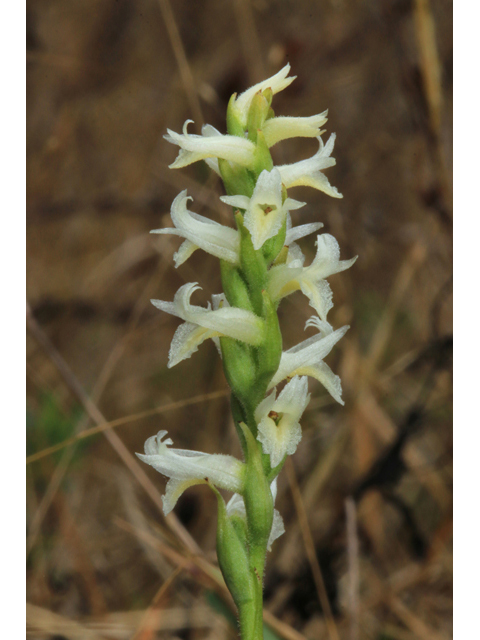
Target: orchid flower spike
(201,324)
(264,211)
(194,148)
(200,233)
(236,506)
(278,419)
(187,468)
(306,358)
(286,278)
(308,173)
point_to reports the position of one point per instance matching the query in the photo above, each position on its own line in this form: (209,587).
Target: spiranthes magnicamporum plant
(260,264)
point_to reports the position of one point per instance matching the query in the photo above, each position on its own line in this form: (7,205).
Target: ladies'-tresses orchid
(286,278)
(187,468)
(264,211)
(306,358)
(308,173)
(255,276)
(201,324)
(200,233)
(278,419)
(283,127)
(194,148)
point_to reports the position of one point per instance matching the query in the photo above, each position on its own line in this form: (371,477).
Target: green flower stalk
(260,264)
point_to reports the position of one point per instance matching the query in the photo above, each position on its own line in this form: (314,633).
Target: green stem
(251,615)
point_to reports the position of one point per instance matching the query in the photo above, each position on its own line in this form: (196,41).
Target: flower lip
(278,419)
(264,211)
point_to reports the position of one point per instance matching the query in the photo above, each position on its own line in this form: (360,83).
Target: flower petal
(194,148)
(276,83)
(308,172)
(300,231)
(214,238)
(228,321)
(306,354)
(285,127)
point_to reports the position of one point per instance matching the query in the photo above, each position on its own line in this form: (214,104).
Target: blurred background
(367,497)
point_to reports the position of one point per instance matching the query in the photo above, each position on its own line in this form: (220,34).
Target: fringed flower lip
(201,324)
(186,468)
(264,211)
(278,419)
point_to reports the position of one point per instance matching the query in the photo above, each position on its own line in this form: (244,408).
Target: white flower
(264,211)
(187,468)
(284,127)
(278,419)
(308,172)
(194,148)
(236,506)
(200,232)
(306,358)
(287,278)
(276,83)
(201,324)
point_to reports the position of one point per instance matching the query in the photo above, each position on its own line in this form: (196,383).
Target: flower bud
(257,496)
(257,114)
(233,555)
(239,367)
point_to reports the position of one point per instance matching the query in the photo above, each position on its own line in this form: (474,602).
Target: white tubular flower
(306,358)
(264,211)
(236,506)
(284,127)
(307,172)
(287,278)
(194,148)
(201,324)
(187,468)
(200,233)
(278,419)
(276,83)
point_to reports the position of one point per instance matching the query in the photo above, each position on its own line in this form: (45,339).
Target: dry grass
(367,499)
